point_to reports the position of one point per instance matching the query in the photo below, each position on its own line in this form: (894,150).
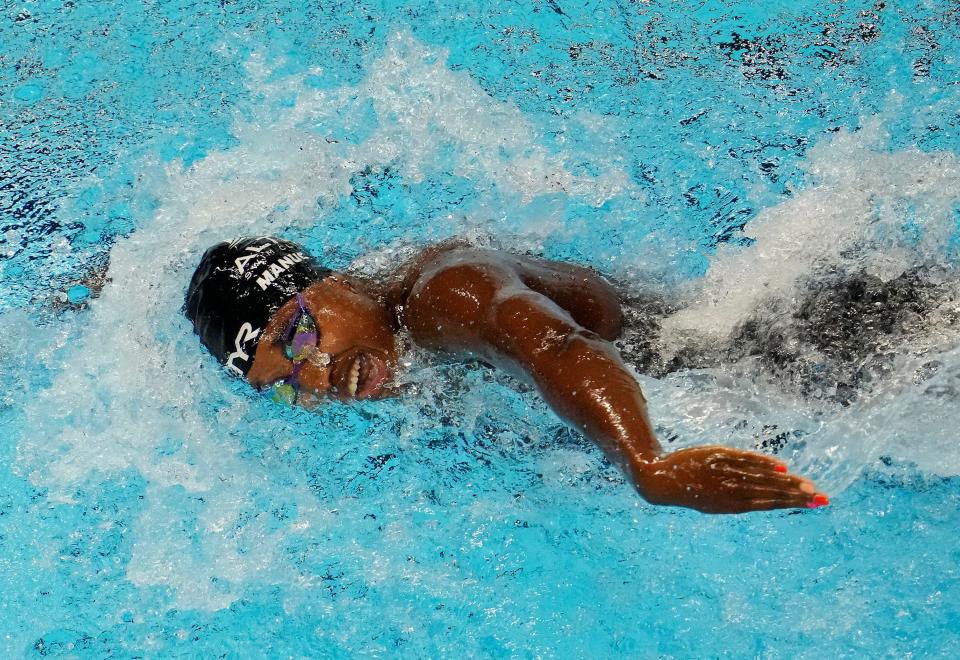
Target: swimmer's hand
(716,479)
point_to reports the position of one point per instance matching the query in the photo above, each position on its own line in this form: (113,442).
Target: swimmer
(271,314)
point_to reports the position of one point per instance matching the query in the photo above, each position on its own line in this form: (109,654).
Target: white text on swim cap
(241,262)
(270,273)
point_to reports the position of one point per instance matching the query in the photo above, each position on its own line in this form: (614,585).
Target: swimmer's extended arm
(478,309)
(585,381)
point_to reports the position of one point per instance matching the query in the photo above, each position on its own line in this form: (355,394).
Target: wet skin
(548,323)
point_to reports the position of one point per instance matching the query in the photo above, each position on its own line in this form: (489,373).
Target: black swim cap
(237,288)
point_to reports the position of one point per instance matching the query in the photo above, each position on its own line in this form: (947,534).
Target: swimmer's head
(245,299)
(237,288)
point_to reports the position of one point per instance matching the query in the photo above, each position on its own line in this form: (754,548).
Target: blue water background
(481,556)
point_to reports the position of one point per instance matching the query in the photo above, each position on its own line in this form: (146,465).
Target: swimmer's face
(354,330)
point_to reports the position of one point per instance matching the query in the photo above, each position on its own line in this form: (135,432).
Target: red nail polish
(821,500)
(780,468)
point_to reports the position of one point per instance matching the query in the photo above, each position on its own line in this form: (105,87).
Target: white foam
(910,416)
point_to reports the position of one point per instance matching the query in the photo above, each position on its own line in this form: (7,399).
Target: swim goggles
(301,340)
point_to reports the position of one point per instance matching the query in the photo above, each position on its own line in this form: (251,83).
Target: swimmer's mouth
(360,374)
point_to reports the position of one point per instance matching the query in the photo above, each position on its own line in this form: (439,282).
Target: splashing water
(463,515)
(853,218)
(153,403)
(156,406)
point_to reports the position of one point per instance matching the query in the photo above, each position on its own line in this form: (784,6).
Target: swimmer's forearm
(588,385)
(581,376)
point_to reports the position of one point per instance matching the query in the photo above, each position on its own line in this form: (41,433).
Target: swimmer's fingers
(762,469)
(761,475)
(752,489)
(767,481)
(749,459)
(716,479)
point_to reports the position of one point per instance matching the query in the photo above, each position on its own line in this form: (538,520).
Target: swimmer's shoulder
(540,274)
(433,263)
(425,263)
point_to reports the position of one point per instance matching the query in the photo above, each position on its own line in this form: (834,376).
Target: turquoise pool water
(781,181)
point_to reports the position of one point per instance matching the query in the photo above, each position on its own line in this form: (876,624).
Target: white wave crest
(866,209)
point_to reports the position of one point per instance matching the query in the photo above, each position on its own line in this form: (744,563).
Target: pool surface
(776,190)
